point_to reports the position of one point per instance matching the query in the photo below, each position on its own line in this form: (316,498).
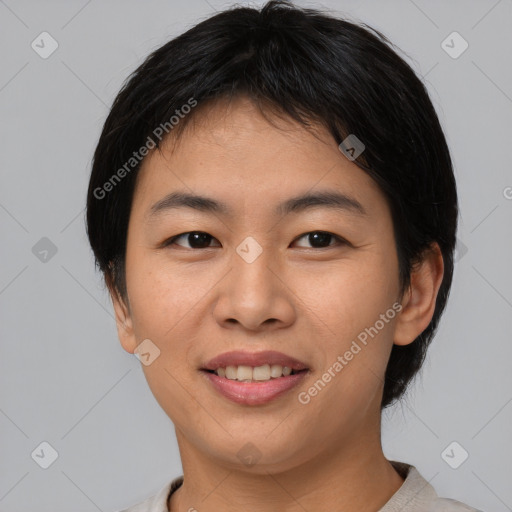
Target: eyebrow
(327,199)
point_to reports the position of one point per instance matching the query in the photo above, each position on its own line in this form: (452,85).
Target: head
(249,108)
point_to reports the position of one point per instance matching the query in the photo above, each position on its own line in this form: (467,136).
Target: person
(273,207)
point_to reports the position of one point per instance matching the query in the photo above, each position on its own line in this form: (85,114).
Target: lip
(254,393)
(240,357)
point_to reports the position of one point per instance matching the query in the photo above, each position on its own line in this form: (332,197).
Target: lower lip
(254,393)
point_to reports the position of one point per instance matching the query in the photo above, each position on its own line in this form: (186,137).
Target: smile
(245,373)
(253,392)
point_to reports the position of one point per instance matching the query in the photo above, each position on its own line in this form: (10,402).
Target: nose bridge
(253,292)
(251,267)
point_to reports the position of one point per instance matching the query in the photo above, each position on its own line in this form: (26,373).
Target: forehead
(230,150)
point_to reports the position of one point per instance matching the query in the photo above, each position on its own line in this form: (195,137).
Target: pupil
(318,236)
(198,240)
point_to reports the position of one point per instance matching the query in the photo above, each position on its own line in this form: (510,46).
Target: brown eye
(195,239)
(322,239)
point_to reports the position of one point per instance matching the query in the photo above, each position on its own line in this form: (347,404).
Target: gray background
(64,377)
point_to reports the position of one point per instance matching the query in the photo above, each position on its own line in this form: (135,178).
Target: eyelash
(339,240)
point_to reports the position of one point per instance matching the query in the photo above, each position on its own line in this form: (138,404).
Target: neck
(355,476)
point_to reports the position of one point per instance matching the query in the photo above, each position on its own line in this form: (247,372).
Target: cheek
(161,296)
(348,297)
(164,310)
(347,304)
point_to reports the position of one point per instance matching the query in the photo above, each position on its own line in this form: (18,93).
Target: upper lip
(240,357)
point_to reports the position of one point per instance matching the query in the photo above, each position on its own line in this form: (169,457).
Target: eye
(195,239)
(201,240)
(321,239)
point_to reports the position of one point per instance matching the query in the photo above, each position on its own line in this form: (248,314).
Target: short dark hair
(314,68)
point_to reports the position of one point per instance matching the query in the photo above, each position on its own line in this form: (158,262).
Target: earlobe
(419,300)
(123,322)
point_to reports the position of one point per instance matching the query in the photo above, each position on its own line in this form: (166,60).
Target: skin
(307,301)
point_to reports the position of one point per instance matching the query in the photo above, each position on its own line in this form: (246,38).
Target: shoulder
(158,502)
(449,505)
(417,494)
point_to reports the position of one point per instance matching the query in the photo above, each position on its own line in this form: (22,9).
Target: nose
(255,296)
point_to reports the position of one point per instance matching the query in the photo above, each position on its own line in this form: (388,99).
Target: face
(267,271)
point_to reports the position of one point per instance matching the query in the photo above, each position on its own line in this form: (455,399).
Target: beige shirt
(414,495)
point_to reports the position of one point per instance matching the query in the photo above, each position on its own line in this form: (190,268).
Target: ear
(419,300)
(123,320)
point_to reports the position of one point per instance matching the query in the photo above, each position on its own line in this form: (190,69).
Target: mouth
(254,378)
(244,373)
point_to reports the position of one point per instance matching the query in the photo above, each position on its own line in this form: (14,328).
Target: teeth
(231,372)
(276,370)
(259,373)
(244,373)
